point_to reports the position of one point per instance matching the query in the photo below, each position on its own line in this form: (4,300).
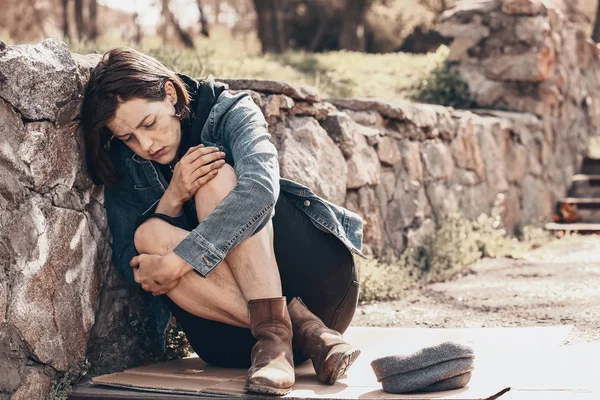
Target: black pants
(313,265)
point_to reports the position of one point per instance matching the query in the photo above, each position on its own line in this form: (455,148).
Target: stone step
(587,186)
(591,166)
(582,228)
(575,210)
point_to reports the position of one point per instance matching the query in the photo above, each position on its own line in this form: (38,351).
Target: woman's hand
(158,274)
(198,166)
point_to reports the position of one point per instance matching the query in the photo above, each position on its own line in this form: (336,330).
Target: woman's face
(149,128)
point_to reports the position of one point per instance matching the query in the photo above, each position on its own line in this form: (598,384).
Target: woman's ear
(171,92)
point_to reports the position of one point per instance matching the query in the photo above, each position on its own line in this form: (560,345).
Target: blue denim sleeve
(250,203)
(122,209)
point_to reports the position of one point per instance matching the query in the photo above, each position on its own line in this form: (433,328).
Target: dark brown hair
(123,74)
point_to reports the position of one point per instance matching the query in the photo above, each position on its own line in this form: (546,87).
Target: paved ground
(558,284)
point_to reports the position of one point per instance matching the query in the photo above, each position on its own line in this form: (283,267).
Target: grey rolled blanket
(445,366)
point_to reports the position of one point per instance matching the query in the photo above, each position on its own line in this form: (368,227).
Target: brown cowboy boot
(272,370)
(330,353)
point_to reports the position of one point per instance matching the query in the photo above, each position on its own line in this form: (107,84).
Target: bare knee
(153,237)
(209,196)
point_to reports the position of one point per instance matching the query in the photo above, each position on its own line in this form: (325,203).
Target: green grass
(335,74)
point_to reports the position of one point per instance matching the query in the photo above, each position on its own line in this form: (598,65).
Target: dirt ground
(558,284)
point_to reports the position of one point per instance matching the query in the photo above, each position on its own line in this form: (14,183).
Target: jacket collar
(203,95)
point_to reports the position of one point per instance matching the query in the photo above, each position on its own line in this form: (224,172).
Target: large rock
(35,384)
(437,160)
(55,252)
(531,66)
(466,150)
(493,133)
(523,7)
(441,198)
(388,152)
(49,153)
(363,167)
(538,201)
(582,13)
(405,206)
(370,208)
(411,160)
(40,80)
(341,129)
(54,290)
(309,156)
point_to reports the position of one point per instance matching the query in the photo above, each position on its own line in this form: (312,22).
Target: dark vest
(204,95)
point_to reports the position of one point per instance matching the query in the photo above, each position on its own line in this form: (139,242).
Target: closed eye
(150,124)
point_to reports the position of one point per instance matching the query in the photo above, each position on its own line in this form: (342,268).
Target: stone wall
(522,56)
(400,164)
(397,164)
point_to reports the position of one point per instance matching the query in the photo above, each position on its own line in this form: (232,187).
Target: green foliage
(448,252)
(63,385)
(445,253)
(381,281)
(444,86)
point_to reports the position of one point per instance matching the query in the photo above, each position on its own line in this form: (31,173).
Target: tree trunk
(352,35)
(93,22)
(596,34)
(81,33)
(137,38)
(185,37)
(203,22)
(65,15)
(165,20)
(169,19)
(270,25)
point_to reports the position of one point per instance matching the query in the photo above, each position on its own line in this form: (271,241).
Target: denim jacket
(236,125)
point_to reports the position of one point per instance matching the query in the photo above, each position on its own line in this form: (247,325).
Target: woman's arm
(123,208)
(249,206)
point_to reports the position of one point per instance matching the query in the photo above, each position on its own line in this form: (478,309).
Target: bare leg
(252,262)
(220,296)
(255,269)
(216,297)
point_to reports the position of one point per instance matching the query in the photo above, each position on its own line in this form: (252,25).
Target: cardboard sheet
(501,354)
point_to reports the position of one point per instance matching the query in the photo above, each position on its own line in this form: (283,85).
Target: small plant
(381,281)
(63,385)
(449,250)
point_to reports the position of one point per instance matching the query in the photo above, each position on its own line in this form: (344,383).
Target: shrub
(444,86)
(447,253)
(381,281)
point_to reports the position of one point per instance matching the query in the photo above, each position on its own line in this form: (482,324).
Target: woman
(201,219)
